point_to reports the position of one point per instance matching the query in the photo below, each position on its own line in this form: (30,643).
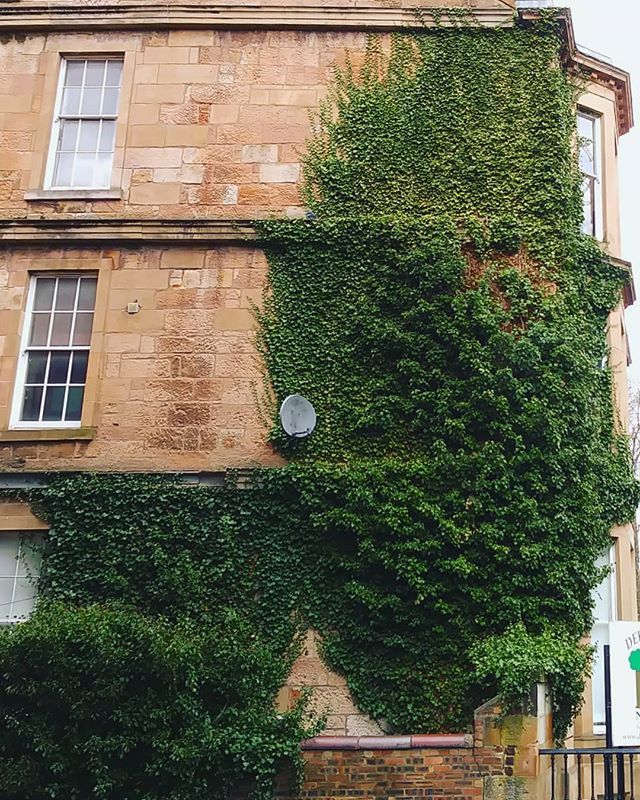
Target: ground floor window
(605,611)
(20,559)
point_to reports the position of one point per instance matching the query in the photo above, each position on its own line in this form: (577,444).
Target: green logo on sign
(634,660)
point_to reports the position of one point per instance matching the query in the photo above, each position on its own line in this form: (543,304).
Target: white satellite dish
(298,416)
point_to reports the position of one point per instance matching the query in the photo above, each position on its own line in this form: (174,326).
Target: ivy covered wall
(446,317)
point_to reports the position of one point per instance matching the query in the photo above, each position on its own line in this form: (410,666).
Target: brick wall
(498,761)
(451,773)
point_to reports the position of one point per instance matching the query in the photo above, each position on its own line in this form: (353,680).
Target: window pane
(94,75)
(39,330)
(585,127)
(74,404)
(102,174)
(61,330)
(74,73)
(56,368)
(24,598)
(83,172)
(44,294)
(91,101)
(603,610)
(107,136)
(88,141)
(31,404)
(110,101)
(53,402)
(30,555)
(71,101)
(588,226)
(68,135)
(6,590)
(59,367)
(114,71)
(63,170)
(36,367)
(587,162)
(79,368)
(8,554)
(66,296)
(82,332)
(87,298)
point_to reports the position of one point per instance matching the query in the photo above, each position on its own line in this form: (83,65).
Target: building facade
(135,146)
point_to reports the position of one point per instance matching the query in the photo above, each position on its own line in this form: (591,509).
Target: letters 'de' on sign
(625,683)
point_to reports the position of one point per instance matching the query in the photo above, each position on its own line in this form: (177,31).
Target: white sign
(624,638)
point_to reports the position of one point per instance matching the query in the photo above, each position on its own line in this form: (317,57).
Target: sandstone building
(136,144)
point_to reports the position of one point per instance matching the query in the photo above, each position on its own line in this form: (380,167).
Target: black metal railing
(594,774)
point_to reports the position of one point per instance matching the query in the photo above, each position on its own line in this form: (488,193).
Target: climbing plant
(151,666)
(447,318)
(440,528)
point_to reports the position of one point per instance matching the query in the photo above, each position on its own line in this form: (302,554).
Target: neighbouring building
(136,143)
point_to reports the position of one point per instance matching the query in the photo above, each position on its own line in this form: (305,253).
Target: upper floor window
(84,125)
(52,370)
(590,144)
(20,557)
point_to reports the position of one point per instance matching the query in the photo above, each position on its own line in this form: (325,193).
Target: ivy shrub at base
(103,702)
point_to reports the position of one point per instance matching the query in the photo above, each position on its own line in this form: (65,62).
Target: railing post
(608,758)
(621,777)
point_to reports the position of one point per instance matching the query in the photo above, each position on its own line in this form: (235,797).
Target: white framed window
(590,149)
(20,561)
(52,368)
(605,598)
(84,124)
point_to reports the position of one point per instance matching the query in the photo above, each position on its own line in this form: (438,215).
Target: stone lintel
(123,231)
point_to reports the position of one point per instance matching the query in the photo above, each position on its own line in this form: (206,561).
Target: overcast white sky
(612,27)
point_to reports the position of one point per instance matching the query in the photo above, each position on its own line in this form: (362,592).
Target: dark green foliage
(518,658)
(169,550)
(447,319)
(106,703)
(470,122)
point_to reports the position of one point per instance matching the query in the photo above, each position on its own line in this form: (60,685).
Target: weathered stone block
(500,787)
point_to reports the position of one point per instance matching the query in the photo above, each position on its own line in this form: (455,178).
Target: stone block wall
(173,387)
(210,122)
(330,697)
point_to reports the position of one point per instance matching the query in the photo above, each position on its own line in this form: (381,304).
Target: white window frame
(598,204)
(8,619)
(55,127)
(15,422)
(600,635)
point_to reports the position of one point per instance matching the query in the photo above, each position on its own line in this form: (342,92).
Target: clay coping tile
(418,741)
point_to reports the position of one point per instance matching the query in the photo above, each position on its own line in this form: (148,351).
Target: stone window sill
(74,194)
(48,435)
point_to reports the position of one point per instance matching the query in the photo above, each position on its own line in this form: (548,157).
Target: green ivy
(104,702)
(447,319)
(516,659)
